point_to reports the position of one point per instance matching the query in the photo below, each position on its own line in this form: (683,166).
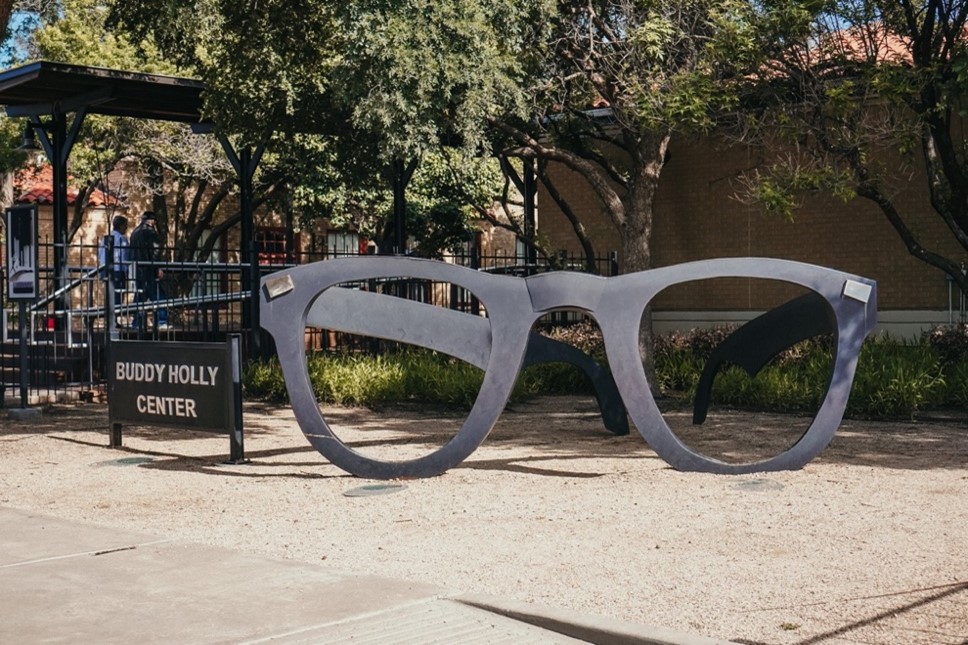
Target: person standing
(115,268)
(145,247)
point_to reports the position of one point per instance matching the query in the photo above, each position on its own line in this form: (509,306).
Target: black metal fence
(451,296)
(65,331)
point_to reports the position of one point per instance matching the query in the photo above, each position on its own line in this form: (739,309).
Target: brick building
(697,216)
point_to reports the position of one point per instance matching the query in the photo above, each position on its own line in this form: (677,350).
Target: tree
(516,78)
(656,69)
(519,79)
(18,20)
(350,191)
(172,162)
(333,149)
(504,77)
(867,95)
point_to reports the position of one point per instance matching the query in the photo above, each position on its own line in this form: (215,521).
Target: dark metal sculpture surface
(503,343)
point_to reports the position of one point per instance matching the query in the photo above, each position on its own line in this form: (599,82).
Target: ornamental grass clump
(895,380)
(416,376)
(950,342)
(263,380)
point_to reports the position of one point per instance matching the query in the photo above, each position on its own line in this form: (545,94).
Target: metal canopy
(47,92)
(30,88)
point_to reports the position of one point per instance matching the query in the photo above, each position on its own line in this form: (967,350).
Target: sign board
(184,385)
(22,252)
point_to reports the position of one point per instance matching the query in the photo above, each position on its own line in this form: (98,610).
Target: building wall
(698,217)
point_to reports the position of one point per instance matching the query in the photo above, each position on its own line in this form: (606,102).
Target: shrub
(417,376)
(950,341)
(263,380)
(356,379)
(551,378)
(699,342)
(584,335)
(956,382)
(678,371)
(894,379)
(795,381)
(434,378)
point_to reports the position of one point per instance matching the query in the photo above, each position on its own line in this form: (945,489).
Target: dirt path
(865,545)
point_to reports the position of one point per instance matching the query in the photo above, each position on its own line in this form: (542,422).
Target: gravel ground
(866,544)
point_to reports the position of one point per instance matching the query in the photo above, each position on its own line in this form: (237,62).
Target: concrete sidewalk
(66,581)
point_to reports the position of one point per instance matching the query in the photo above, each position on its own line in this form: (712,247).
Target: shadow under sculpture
(302,296)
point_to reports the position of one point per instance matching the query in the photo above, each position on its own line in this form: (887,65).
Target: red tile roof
(35,186)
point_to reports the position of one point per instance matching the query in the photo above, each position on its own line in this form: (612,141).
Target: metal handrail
(153,305)
(43,302)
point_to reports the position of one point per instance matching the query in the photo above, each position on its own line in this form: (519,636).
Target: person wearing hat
(145,246)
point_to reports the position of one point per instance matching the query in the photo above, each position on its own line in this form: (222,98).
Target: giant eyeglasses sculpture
(374,297)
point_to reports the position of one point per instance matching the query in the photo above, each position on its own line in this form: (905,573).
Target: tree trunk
(6,8)
(156,182)
(636,233)
(637,255)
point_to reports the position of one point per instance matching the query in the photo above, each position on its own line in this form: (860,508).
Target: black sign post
(196,386)
(22,277)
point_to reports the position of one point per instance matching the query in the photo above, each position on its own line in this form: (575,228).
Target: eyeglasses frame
(514,304)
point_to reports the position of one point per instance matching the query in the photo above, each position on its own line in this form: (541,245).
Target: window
(271,245)
(340,243)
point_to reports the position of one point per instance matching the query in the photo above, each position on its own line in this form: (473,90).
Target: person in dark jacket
(145,246)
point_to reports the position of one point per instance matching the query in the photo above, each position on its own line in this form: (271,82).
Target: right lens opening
(747,389)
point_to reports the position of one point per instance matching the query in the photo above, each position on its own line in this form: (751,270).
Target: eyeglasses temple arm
(448,331)
(754,344)
(542,349)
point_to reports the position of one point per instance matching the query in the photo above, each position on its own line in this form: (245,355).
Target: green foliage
(353,192)
(356,379)
(362,379)
(80,37)
(551,378)
(11,136)
(780,189)
(794,382)
(22,18)
(678,371)
(413,376)
(700,342)
(437,229)
(683,55)
(263,380)
(269,66)
(400,79)
(894,380)
(956,382)
(160,158)
(858,100)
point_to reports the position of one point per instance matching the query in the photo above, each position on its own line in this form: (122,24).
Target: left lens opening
(396,363)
